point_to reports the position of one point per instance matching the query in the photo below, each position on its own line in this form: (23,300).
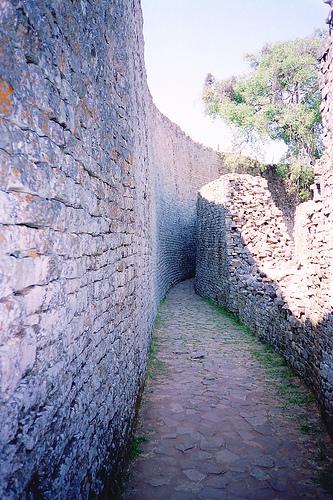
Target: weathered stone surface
(248,263)
(97,215)
(249,460)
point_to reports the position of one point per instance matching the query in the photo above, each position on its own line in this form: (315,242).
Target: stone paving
(214,425)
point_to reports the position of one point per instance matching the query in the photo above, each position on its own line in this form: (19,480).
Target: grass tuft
(154,363)
(234,320)
(135,447)
(290,388)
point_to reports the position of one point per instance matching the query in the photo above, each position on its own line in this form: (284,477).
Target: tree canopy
(278,98)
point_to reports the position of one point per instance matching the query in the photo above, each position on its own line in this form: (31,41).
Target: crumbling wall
(84,257)
(247,262)
(244,250)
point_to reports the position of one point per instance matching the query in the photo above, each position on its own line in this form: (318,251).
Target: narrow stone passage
(211,419)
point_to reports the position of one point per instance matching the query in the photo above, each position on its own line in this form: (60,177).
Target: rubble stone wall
(277,285)
(281,288)
(97,208)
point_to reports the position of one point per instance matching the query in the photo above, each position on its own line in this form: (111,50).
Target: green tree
(279,98)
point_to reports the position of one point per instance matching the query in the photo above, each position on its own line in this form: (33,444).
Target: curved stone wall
(248,263)
(97,208)
(181,168)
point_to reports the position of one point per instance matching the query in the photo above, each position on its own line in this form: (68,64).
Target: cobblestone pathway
(214,424)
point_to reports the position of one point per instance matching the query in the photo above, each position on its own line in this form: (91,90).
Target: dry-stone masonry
(280,286)
(97,215)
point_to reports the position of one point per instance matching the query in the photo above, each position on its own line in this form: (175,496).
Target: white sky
(186,39)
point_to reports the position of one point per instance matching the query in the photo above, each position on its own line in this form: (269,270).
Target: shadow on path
(211,424)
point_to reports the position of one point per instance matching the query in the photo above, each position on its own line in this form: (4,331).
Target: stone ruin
(97,212)
(281,286)
(98,220)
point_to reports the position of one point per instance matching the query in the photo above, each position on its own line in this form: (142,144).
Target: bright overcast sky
(186,39)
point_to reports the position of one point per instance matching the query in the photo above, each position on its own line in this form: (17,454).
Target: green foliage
(308,427)
(291,391)
(301,177)
(135,447)
(296,176)
(154,363)
(242,164)
(297,399)
(279,98)
(234,320)
(289,387)
(282,171)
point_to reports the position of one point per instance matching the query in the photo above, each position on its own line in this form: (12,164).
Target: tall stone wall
(181,168)
(248,263)
(97,207)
